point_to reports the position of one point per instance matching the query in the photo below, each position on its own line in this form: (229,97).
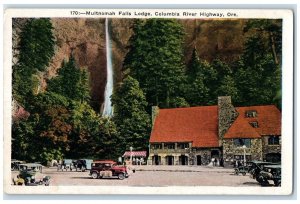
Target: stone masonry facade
(226,150)
(231,152)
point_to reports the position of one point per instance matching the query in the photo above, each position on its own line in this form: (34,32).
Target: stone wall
(270,148)
(205,154)
(230,150)
(226,116)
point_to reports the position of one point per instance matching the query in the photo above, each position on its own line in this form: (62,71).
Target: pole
(131,155)
(244,147)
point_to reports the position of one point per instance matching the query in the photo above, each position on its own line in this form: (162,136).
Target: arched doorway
(273,157)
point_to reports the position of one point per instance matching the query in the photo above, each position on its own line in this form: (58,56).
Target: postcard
(148,101)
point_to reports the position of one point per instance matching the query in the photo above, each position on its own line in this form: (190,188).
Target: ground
(156,176)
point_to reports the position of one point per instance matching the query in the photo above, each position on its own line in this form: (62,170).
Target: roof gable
(267,117)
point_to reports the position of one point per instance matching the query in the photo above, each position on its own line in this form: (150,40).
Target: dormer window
(254,124)
(251,114)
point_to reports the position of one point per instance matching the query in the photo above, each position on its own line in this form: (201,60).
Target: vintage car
(67,164)
(31,174)
(243,169)
(256,167)
(15,164)
(108,169)
(270,173)
(82,164)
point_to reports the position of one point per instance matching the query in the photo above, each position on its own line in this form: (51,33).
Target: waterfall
(107,109)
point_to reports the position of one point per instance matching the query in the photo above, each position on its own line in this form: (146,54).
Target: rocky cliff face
(223,39)
(85,38)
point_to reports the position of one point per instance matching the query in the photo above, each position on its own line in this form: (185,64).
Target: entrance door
(170,160)
(199,160)
(215,154)
(156,159)
(183,160)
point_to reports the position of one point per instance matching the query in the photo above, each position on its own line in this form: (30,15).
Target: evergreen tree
(130,116)
(258,75)
(71,82)
(228,88)
(199,77)
(37,44)
(109,143)
(155,59)
(86,127)
(36,48)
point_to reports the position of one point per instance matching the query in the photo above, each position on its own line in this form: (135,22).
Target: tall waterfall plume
(107,109)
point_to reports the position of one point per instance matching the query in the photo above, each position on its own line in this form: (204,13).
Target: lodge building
(224,133)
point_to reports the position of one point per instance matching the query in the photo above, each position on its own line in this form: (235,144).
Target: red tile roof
(268,119)
(198,125)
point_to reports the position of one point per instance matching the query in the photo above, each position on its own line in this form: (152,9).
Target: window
(273,140)
(241,142)
(170,146)
(254,124)
(183,145)
(251,114)
(156,146)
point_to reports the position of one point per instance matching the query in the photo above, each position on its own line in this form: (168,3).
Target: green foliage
(45,132)
(36,48)
(36,44)
(155,59)
(22,134)
(201,78)
(109,142)
(258,75)
(63,124)
(71,82)
(85,122)
(130,116)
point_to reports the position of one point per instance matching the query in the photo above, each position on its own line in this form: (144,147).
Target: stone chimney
(154,113)
(226,115)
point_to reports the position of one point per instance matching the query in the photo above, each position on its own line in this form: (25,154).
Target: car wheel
(277,183)
(264,183)
(121,176)
(244,173)
(94,175)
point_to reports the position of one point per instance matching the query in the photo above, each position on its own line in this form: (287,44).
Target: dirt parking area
(155,176)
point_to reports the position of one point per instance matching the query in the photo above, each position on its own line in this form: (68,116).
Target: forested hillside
(59,76)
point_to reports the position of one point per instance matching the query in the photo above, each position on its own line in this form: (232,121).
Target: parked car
(243,169)
(256,167)
(83,164)
(270,173)
(66,164)
(31,174)
(108,169)
(15,164)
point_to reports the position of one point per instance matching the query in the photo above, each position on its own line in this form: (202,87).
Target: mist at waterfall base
(108,109)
